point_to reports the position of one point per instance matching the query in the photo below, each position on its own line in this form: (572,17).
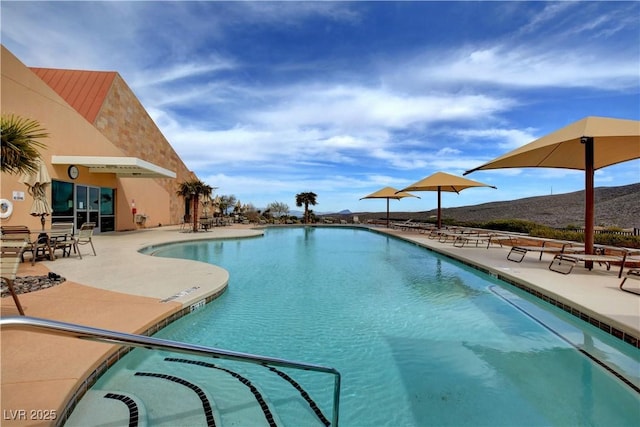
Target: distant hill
(615,206)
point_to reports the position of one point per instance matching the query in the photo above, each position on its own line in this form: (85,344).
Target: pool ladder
(54,327)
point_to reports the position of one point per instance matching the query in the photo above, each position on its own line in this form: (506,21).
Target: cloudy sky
(269,99)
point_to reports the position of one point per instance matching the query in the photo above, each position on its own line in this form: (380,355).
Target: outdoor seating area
(45,242)
(566,254)
(203,223)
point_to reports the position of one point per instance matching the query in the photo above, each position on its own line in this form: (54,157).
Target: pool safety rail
(53,327)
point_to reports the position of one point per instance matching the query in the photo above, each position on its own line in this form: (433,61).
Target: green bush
(611,239)
(511,225)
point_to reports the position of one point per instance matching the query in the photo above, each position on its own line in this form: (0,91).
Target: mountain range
(614,207)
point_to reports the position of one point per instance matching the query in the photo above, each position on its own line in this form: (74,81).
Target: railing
(131,340)
(625,232)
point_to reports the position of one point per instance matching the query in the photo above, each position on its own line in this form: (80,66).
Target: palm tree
(19,148)
(306,199)
(193,190)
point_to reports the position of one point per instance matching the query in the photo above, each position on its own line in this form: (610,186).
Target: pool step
(180,391)
(108,408)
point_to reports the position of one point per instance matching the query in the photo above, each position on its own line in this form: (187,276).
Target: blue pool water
(419,339)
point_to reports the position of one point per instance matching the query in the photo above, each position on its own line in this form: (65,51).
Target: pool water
(419,339)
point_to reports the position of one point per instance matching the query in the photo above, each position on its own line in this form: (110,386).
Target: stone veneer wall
(126,123)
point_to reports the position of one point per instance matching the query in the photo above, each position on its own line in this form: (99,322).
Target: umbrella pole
(589,202)
(439,202)
(387,212)
(42,220)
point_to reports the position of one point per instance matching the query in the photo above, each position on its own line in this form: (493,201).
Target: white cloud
(253,109)
(503,138)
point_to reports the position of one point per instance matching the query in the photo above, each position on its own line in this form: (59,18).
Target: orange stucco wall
(123,128)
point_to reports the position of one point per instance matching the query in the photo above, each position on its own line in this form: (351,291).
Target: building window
(62,199)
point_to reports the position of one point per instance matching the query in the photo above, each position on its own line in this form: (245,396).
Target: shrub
(511,225)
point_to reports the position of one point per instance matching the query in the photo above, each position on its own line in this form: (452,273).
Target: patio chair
(186,223)
(61,237)
(9,262)
(84,237)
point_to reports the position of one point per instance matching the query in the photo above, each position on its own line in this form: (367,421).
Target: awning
(126,167)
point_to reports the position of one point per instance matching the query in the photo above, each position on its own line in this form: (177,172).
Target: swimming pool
(419,339)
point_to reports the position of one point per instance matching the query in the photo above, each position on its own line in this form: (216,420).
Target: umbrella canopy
(441,181)
(37,186)
(206,202)
(588,144)
(388,193)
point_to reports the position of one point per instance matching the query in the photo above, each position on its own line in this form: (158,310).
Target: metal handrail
(112,337)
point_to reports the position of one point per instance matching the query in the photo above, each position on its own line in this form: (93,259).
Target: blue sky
(269,99)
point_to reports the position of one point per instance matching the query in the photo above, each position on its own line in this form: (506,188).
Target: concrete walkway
(123,290)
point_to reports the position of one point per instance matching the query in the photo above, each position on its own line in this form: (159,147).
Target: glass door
(87,206)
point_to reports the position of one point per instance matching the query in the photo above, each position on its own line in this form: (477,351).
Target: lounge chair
(517,252)
(490,238)
(445,235)
(401,225)
(564,263)
(21,233)
(84,237)
(634,273)
(9,263)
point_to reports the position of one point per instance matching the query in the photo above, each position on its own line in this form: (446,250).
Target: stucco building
(106,157)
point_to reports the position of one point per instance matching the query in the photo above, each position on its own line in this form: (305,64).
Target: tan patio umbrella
(37,187)
(588,144)
(206,202)
(441,181)
(388,193)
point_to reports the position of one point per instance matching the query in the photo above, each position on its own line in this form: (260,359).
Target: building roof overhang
(124,167)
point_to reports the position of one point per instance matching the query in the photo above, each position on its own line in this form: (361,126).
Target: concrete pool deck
(121,289)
